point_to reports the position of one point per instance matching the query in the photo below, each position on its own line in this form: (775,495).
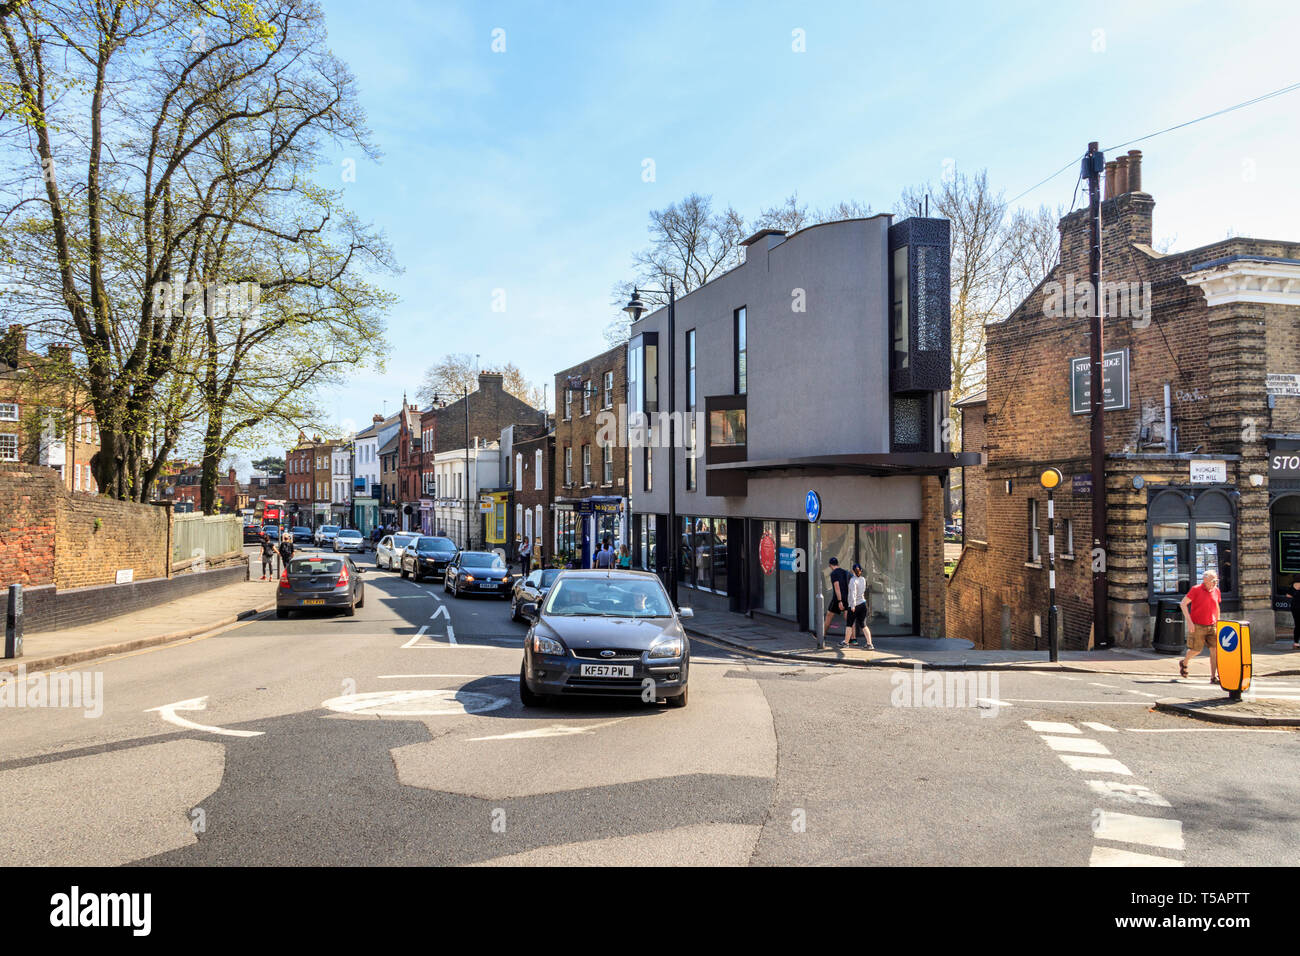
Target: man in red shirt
(1201,612)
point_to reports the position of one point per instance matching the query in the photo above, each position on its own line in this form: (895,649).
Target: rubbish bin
(1171,630)
(1234,657)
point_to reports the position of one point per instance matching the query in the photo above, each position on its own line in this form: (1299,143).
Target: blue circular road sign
(813,506)
(1228,638)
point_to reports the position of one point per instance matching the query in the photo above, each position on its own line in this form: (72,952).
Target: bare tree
(456,373)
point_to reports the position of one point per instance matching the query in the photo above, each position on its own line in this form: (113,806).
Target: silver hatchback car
(320,582)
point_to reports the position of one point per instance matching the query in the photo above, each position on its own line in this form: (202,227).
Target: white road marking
(1095,764)
(1050,727)
(1097,703)
(419,635)
(1128,793)
(451,634)
(1109,856)
(168,712)
(477,676)
(991,702)
(415,703)
(1093,683)
(1078,745)
(1093,725)
(555,730)
(1127,828)
(440,612)
(1207,730)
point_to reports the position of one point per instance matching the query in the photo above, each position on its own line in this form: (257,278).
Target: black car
(252,534)
(531,590)
(320,582)
(477,572)
(427,555)
(610,633)
(302,535)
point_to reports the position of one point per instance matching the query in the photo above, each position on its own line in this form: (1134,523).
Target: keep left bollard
(14,622)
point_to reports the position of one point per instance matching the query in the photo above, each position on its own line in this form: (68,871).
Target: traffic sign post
(1233,657)
(1051,479)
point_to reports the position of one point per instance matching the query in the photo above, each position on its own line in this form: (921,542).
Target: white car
(325,535)
(349,540)
(388,553)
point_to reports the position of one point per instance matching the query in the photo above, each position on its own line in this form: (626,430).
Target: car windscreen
(607,597)
(315,565)
(329,527)
(402,540)
(302,530)
(349,534)
(549,576)
(435,544)
(482,560)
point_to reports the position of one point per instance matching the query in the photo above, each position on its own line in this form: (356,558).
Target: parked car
(952,531)
(321,582)
(271,532)
(477,572)
(427,555)
(531,590)
(349,540)
(252,534)
(325,535)
(388,552)
(605,633)
(302,535)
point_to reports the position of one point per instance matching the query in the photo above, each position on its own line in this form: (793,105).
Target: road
(396,737)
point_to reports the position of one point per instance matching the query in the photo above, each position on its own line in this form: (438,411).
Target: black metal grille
(591,654)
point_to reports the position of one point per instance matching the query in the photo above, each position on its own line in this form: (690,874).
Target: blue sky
(522,170)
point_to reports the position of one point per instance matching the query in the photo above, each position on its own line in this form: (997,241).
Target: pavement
(163,624)
(774,639)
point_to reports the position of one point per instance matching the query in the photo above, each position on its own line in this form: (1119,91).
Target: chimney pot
(1135,170)
(1110,180)
(377,419)
(1121,175)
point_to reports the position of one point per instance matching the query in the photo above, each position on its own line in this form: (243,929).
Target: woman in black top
(1293,596)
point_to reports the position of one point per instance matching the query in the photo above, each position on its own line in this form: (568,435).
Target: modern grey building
(817,369)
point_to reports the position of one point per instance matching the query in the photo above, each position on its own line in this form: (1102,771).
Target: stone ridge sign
(1114,382)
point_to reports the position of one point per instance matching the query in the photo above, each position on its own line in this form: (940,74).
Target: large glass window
(586,464)
(837,543)
(789,578)
(741,349)
(1189,538)
(719,558)
(727,426)
(607,475)
(702,542)
(885,553)
(899,303)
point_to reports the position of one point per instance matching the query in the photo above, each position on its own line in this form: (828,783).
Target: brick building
(591,501)
(529,474)
(42,420)
(231,493)
(428,451)
(1202,432)
(309,474)
(409,462)
(389,482)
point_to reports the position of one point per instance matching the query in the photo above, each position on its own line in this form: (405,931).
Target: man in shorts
(1201,613)
(839,594)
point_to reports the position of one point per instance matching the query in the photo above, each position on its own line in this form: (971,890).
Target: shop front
(581,524)
(1284,522)
(427,520)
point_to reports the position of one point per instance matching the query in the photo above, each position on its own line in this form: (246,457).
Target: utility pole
(1093,164)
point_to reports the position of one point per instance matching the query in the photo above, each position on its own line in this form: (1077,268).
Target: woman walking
(859,610)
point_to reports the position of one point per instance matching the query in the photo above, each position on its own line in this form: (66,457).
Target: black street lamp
(636,308)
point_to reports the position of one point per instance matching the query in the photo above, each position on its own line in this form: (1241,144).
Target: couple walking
(850,597)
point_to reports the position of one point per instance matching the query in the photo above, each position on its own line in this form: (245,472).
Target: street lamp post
(1050,479)
(636,308)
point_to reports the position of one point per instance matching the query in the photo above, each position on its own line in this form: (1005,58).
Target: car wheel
(680,699)
(282,612)
(526,696)
(418,574)
(514,612)
(361,601)
(351,610)
(403,572)
(455,590)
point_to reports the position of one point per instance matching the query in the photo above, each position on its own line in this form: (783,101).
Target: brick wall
(930,558)
(129,535)
(974,505)
(28,497)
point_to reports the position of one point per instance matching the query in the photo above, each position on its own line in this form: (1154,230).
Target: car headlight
(546,645)
(469,577)
(672,647)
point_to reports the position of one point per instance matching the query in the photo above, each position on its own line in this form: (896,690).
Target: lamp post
(1050,479)
(636,308)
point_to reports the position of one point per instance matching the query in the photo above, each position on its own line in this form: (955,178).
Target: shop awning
(878,465)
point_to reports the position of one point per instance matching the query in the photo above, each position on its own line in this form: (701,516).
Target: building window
(609,389)
(691,476)
(899,303)
(586,397)
(648,469)
(537,470)
(1187,538)
(1034,554)
(568,404)
(740,351)
(586,465)
(1068,536)
(568,466)
(537,526)
(519,470)
(727,426)
(608,469)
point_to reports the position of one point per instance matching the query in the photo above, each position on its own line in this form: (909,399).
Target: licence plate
(488,585)
(313,601)
(606,670)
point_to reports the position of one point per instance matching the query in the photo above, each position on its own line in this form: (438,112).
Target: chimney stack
(1121,175)
(1135,170)
(377,419)
(1110,180)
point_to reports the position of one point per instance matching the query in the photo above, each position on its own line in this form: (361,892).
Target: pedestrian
(268,554)
(1201,614)
(286,548)
(1293,604)
(624,559)
(525,555)
(839,593)
(859,610)
(605,556)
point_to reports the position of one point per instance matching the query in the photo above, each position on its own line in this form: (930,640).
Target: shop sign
(1114,382)
(1208,472)
(1288,552)
(1284,464)
(1276,383)
(767,553)
(1081,484)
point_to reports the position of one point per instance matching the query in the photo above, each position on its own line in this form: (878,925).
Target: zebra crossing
(1105,780)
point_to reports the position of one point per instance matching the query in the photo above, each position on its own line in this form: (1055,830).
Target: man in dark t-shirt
(839,593)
